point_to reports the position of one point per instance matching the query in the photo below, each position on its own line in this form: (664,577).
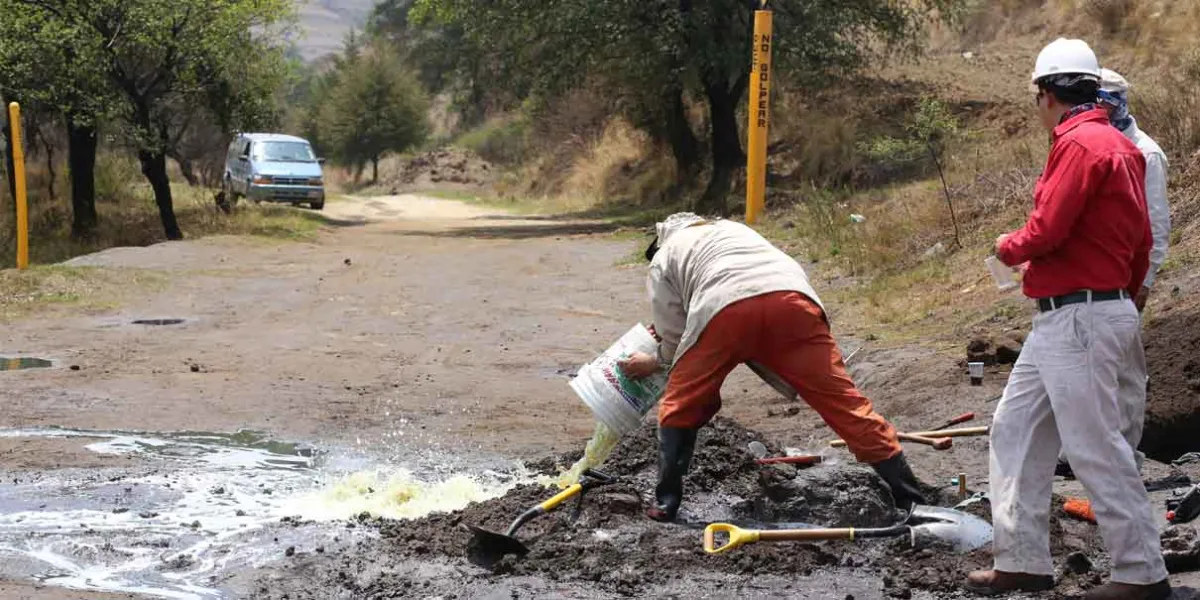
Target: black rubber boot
(1063,469)
(899,477)
(675,448)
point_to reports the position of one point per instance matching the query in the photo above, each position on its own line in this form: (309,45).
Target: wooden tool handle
(939,443)
(948,433)
(953,433)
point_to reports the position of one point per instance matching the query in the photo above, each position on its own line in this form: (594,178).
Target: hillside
(325,23)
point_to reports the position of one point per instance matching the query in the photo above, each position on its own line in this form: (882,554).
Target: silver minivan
(270,167)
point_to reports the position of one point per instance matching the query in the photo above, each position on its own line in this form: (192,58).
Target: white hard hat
(1066,57)
(1112,82)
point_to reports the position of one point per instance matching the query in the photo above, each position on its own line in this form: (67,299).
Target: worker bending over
(722,295)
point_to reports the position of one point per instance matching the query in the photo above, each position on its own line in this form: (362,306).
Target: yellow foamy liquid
(398,495)
(604,439)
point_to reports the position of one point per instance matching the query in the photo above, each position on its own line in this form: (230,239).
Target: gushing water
(202,507)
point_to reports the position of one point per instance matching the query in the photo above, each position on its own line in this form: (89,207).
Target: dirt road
(397,365)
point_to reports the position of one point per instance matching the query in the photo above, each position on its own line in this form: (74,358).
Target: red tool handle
(963,418)
(790,460)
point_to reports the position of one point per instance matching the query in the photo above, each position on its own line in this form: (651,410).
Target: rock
(346,262)
(1181,548)
(1007,350)
(937,249)
(291,551)
(792,411)
(75,367)
(195,368)
(1079,563)
(981,350)
(1000,350)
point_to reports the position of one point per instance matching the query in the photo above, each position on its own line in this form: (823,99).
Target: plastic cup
(1004,276)
(975,369)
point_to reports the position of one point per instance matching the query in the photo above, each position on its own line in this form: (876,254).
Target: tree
(377,106)
(51,66)
(165,59)
(657,53)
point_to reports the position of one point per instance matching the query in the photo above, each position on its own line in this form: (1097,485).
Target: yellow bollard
(760,117)
(18,161)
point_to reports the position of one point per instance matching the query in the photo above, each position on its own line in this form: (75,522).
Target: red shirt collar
(1097,114)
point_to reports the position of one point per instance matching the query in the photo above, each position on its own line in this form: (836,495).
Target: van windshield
(283,152)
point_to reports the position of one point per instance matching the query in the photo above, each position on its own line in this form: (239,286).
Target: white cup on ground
(975,369)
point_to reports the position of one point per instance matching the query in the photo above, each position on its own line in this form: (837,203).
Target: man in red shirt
(1087,245)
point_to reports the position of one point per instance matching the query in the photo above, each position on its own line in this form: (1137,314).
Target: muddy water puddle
(196,509)
(18,364)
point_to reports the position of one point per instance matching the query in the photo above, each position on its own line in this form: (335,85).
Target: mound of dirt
(607,543)
(1173,396)
(447,168)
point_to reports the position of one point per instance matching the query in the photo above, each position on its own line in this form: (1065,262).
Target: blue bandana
(1118,115)
(1075,110)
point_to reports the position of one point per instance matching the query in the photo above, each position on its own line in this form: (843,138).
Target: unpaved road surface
(401,364)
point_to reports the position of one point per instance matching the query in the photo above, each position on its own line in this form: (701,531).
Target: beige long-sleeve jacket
(702,269)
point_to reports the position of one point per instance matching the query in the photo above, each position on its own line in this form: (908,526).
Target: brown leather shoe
(1128,591)
(991,583)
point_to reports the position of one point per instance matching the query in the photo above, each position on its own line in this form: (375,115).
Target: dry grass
(43,287)
(129,217)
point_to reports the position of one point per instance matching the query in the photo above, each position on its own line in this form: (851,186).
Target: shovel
(925,525)
(488,547)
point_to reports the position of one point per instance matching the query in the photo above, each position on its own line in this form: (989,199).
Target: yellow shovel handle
(737,537)
(561,497)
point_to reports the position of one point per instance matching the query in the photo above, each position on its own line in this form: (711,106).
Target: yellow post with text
(760,117)
(18,163)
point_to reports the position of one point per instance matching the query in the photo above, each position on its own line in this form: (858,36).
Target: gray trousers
(1063,394)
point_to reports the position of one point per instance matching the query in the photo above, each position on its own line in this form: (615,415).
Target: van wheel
(317,205)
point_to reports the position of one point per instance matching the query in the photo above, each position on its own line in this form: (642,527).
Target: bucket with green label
(616,399)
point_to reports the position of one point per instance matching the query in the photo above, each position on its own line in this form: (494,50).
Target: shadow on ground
(546,228)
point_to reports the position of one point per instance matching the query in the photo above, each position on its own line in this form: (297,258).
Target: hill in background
(324,24)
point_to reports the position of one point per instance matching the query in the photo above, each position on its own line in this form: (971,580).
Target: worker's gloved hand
(675,446)
(899,476)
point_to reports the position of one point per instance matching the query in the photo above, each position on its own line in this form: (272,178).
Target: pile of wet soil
(607,543)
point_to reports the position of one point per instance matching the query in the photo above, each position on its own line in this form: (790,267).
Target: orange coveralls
(788,334)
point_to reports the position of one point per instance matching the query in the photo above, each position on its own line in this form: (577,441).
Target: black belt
(1049,304)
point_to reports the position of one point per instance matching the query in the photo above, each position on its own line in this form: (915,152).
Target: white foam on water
(62,528)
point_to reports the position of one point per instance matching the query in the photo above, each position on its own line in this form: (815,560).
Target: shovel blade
(486,548)
(934,526)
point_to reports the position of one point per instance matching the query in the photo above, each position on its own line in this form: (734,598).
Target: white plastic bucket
(619,401)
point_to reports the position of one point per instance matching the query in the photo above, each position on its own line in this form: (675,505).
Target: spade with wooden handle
(938,443)
(926,526)
(947,433)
